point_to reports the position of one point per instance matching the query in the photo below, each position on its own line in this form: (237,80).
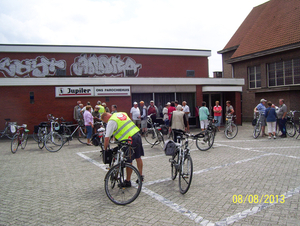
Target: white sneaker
(269,137)
(274,137)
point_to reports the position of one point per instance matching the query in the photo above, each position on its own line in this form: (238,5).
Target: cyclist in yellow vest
(101,108)
(121,127)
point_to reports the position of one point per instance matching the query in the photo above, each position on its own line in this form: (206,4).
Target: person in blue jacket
(271,117)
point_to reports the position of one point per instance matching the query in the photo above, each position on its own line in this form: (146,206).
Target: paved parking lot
(240,182)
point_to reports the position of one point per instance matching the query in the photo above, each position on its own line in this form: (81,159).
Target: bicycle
(78,131)
(211,125)
(231,129)
(117,189)
(298,130)
(257,126)
(181,161)
(153,135)
(9,129)
(53,141)
(204,140)
(290,125)
(20,138)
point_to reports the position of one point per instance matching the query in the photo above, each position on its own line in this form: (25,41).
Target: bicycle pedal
(172,161)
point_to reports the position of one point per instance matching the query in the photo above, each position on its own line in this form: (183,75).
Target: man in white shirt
(186,110)
(135,115)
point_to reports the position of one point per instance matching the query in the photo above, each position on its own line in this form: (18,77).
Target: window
(254,77)
(284,73)
(190,73)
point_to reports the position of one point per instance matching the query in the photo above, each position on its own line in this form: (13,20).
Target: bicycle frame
(183,161)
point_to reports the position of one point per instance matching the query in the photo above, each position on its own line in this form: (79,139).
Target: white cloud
(195,24)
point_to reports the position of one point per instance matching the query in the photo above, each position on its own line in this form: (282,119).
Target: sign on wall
(112,91)
(85,91)
(91,91)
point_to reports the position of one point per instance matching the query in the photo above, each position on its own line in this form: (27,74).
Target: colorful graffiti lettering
(38,67)
(104,66)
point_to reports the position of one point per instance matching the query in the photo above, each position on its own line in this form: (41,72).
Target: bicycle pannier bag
(254,122)
(95,139)
(170,148)
(107,156)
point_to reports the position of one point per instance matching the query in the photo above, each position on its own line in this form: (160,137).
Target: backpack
(170,148)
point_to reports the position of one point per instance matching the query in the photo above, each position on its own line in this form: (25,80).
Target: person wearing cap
(135,114)
(143,111)
(186,110)
(152,110)
(101,108)
(105,107)
(165,114)
(261,108)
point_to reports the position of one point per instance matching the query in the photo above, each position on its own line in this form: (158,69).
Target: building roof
(102,50)
(274,24)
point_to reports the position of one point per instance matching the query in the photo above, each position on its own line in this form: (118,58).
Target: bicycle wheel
(35,136)
(14,143)
(185,174)
(290,129)
(53,142)
(174,165)
(81,135)
(231,131)
(206,142)
(24,140)
(257,130)
(117,190)
(150,136)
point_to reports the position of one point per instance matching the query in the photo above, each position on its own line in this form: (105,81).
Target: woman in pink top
(89,123)
(218,114)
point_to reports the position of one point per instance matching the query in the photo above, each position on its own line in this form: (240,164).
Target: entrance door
(211,99)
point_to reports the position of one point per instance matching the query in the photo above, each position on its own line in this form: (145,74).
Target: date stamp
(258,199)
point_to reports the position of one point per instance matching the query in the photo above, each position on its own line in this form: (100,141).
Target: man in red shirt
(152,109)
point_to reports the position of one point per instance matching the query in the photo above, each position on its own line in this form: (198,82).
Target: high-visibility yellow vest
(102,109)
(126,127)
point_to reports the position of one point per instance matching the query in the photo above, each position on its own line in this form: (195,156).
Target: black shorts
(137,148)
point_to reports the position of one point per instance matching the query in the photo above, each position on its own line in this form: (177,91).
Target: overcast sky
(187,24)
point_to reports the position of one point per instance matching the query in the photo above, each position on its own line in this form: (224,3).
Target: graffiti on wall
(105,66)
(38,67)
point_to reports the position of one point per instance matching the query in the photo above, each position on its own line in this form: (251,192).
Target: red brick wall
(152,65)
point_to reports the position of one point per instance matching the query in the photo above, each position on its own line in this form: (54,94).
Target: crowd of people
(272,116)
(175,116)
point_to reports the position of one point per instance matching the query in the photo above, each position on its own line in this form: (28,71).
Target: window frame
(256,80)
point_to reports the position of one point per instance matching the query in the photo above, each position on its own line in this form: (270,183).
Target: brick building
(37,80)
(265,51)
